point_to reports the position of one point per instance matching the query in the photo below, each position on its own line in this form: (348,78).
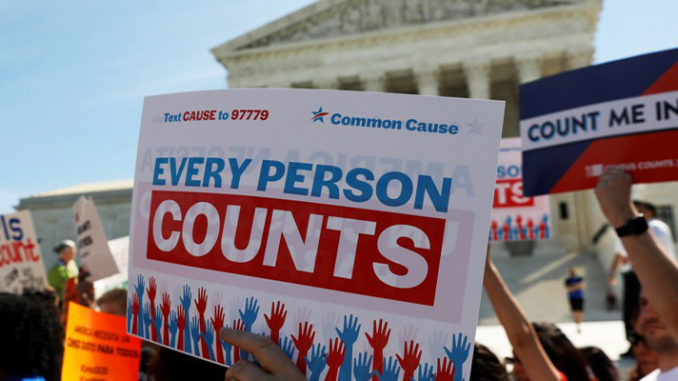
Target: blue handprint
(209,340)
(348,336)
(391,370)
(316,363)
(130,314)
(173,327)
(157,323)
(287,346)
(362,367)
(425,372)
(250,315)
(140,290)
(458,354)
(227,351)
(185,301)
(147,321)
(195,335)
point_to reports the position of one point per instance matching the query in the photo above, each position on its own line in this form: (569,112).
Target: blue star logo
(318,115)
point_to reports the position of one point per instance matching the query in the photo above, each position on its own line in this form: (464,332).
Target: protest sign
(120,250)
(623,114)
(516,217)
(95,256)
(310,216)
(21,265)
(98,348)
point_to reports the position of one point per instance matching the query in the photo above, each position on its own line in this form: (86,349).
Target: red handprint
(276,320)
(151,291)
(165,307)
(303,342)
(446,371)
(378,342)
(201,306)
(410,360)
(135,311)
(334,359)
(181,323)
(239,325)
(218,322)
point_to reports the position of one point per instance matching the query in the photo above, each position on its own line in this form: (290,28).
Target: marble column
(375,82)
(578,58)
(478,78)
(428,81)
(529,68)
(326,83)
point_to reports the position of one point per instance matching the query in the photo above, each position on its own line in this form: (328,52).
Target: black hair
(32,336)
(169,365)
(564,355)
(486,366)
(600,364)
(646,205)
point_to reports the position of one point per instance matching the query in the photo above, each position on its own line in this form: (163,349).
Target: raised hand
(173,328)
(140,289)
(276,320)
(209,339)
(240,326)
(185,300)
(165,308)
(201,306)
(181,324)
(135,312)
(362,367)
(147,320)
(251,312)
(348,336)
(287,346)
(157,323)
(227,351)
(378,341)
(303,342)
(129,313)
(391,370)
(152,288)
(445,371)
(316,363)
(410,360)
(335,358)
(425,372)
(195,336)
(458,354)
(217,320)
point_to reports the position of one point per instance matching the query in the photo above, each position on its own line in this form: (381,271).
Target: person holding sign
(65,267)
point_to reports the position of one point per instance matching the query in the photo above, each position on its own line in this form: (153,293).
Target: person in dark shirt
(575,293)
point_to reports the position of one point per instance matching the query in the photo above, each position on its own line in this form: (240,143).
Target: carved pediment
(334,18)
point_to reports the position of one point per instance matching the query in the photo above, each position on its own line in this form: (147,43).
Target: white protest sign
(120,250)
(21,265)
(516,217)
(95,256)
(341,224)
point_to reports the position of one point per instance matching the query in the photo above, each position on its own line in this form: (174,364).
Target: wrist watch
(635,226)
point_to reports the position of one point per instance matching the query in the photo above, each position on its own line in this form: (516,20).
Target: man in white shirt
(661,232)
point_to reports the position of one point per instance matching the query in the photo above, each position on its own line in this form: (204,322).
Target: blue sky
(73,74)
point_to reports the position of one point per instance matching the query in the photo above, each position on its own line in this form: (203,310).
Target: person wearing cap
(65,268)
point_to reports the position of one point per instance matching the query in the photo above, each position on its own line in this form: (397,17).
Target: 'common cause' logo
(318,115)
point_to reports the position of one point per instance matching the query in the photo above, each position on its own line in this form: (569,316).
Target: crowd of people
(33,328)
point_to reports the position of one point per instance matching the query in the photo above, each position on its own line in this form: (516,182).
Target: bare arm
(613,270)
(518,328)
(657,272)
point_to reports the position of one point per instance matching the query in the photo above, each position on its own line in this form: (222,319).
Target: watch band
(634,226)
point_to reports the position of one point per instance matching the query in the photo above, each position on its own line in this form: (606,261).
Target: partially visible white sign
(95,255)
(120,250)
(21,264)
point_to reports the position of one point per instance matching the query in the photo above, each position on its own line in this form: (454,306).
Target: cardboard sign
(98,348)
(21,265)
(120,250)
(311,216)
(623,114)
(95,255)
(516,217)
